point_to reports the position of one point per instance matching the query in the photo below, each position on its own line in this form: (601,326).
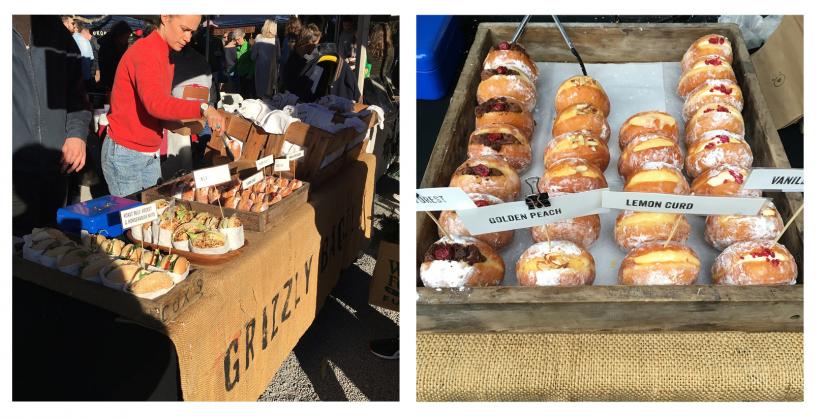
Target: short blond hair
(270,29)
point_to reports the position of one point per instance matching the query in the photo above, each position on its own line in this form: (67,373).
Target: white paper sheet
(632,88)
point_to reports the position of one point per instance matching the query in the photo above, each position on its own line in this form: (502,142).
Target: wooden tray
(151,313)
(196,258)
(609,308)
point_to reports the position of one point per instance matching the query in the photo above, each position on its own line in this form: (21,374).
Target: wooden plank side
(151,313)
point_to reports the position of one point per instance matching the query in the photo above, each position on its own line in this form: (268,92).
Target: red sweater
(142,96)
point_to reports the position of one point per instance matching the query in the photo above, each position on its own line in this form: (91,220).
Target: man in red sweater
(141,99)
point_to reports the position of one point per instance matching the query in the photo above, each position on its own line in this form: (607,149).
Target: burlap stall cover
(255,308)
(688,366)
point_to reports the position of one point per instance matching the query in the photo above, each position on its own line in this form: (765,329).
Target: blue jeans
(127,171)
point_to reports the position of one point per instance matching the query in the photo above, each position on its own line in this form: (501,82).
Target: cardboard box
(779,67)
(384,287)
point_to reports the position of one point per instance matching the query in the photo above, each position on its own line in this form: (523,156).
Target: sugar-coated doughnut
(511,55)
(577,144)
(582,117)
(724,180)
(713,117)
(649,148)
(649,122)
(501,140)
(570,176)
(635,228)
(723,92)
(711,68)
(488,175)
(657,177)
(760,262)
(656,263)
(722,231)
(706,46)
(717,148)
(507,82)
(461,262)
(582,89)
(501,110)
(555,263)
(451,222)
(584,231)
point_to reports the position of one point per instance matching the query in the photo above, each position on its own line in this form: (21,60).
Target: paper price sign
(295,155)
(682,204)
(138,215)
(261,163)
(281,165)
(442,199)
(257,177)
(211,176)
(518,215)
(786,180)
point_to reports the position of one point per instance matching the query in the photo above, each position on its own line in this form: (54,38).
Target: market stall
(594,342)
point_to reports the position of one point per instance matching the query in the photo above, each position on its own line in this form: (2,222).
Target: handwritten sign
(211,176)
(786,180)
(263,162)
(295,155)
(682,204)
(442,199)
(248,182)
(518,215)
(138,215)
(281,165)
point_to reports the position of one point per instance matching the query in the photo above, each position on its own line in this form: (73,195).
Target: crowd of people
(62,72)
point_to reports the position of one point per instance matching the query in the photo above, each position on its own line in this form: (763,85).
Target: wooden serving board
(196,258)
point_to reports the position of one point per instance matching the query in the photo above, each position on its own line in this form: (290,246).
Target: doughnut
(759,262)
(584,231)
(578,144)
(708,45)
(582,89)
(451,222)
(723,92)
(657,177)
(724,180)
(650,122)
(501,140)
(488,175)
(461,262)
(711,68)
(507,82)
(713,117)
(717,148)
(582,117)
(649,148)
(555,263)
(635,228)
(501,110)
(571,175)
(513,56)
(655,263)
(722,231)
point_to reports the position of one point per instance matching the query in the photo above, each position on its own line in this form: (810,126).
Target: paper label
(442,199)
(682,204)
(211,176)
(257,177)
(261,163)
(281,165)
(295,155)
(138,215)
(786,180)
(517,215)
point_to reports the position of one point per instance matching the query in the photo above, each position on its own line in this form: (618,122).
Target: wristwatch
(204,108)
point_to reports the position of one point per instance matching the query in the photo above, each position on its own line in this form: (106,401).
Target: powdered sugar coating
(706,183)
(730,267)
(631,160)
(658,273)
(552,247)
(514,87)
(446,273)
(708,93)
(629,236)
(697,75)
(584,231)
(453,224)
(505,58)
(702,48)
(702,122)
(506,187)
(723,231)
(531,273)
(576,182)
(702,157)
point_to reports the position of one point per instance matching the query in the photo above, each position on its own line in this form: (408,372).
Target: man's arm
(78,115)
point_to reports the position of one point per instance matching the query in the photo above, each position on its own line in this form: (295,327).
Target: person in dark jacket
(50,119)
(112,47)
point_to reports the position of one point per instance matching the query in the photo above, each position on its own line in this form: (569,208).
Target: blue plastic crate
(97,216)
(439,44)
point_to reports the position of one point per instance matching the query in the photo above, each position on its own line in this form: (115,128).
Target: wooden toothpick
(673,230)
(788,224)
(439,225)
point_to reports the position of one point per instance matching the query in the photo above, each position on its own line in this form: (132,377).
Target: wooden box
(254,221)
(609,308)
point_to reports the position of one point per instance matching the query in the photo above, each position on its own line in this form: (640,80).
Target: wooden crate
(609,308)
(151,313)
(254,221)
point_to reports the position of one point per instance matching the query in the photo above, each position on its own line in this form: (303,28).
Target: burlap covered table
(254,309)
(685,366)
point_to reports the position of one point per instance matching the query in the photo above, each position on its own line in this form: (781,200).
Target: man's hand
(215,121)
(74,155)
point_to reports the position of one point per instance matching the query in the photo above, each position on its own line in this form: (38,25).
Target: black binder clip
(534,200)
